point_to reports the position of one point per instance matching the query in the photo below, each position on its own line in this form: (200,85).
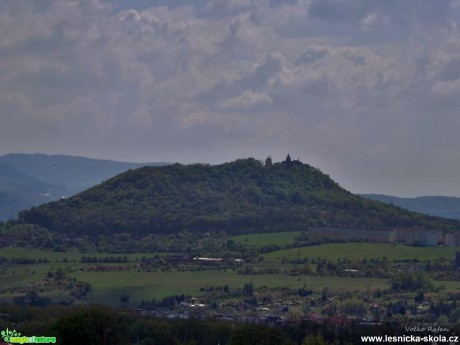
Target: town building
(407,236)
(452,240)
(419,237)
(359,234)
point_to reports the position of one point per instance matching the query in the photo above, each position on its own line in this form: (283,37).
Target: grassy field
(109,286)
(355,251)
(71,256)
(330,251)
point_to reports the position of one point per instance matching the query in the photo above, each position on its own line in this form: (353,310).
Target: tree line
(100,325)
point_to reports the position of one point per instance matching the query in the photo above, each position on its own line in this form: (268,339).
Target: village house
(452,240)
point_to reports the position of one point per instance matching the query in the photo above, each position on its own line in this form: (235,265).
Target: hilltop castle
(289,163)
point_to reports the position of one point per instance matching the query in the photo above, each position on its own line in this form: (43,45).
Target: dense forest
(242,196)
(28,180)
(99,325)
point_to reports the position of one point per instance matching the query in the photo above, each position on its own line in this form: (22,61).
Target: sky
(368,91)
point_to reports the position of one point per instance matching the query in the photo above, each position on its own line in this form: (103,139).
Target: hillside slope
(19,191)
(70,172)
(237,197)
(28,180)
(440,206)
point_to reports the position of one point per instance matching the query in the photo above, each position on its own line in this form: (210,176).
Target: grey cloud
(450,70)
(410,13)
(269,67)
(312,54)
(224,8)
(247,100)
(219,80)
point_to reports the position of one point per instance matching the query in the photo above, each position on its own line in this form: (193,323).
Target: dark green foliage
(100,325)
(166,303)
(238,197)
(258,335)
(304,292)
(248,290)
(27,180)
(92,326)
(31,298)
(106,259)
(194,331)
(314,340)
(419,297)
(70,173)
(409,281)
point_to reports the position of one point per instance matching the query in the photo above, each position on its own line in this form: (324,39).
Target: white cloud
(247,100)
(234,78)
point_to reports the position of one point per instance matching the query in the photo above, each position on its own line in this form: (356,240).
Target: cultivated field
(354,251)
(157,283)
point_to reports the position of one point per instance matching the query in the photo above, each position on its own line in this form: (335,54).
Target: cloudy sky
(366,90)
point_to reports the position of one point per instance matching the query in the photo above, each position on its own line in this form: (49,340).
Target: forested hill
(72,173)
(28,180)
(242,196)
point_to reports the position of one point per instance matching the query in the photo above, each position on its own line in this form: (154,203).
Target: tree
(248,290)
(92,326)
(258,335)
(60,273)
(408,281)
(316,339)
(354,307)
(124,298)
(419,298)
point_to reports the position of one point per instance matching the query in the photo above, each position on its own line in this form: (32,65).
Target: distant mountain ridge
(237,197)
(28,180)
(440,206)
(19,191)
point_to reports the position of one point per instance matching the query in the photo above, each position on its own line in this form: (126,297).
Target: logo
(6,335)
(13,337)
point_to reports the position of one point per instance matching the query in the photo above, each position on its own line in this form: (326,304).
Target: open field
(355,251)
(109,286)
(71,256)
(330,251)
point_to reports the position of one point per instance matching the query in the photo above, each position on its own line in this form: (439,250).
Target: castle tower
(268,161)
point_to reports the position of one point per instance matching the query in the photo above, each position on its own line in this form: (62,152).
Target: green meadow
(354,251)
(330,251)
(70,256)
(109,286)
